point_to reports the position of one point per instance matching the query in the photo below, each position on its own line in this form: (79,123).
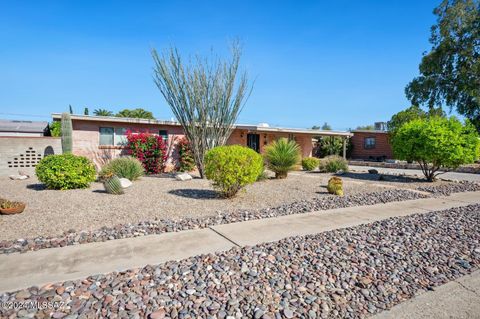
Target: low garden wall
(22,153)
(473,168)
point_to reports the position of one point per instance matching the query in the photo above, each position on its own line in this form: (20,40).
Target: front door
(253,141)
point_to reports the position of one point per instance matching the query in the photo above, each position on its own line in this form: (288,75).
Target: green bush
(310,163)
(282,156)
(124,167)
(436,143)
(333,164)
(232,167)
(66,171)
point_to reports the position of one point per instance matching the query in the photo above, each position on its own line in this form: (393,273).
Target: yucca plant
(281,156)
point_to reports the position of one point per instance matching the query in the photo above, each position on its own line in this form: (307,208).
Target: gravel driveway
(51,212)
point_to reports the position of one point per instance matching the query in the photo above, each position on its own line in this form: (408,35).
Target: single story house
(103,137)
(371,145)
(23,128)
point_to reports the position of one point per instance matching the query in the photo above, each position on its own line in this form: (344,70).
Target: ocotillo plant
(66,133)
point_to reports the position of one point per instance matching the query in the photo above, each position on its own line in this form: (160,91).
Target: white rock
(18,177)
(183,177)
(125,182)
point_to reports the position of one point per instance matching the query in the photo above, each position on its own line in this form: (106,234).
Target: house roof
(370,131)
(258,128)
(22,126)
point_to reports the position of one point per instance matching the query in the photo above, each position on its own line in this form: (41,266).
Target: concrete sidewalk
(18,271)
(457,299)
(416,172)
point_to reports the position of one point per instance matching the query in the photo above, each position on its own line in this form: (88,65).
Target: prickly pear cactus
(113,185)
(335,186)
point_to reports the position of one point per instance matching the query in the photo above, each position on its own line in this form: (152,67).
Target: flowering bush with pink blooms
(148,148)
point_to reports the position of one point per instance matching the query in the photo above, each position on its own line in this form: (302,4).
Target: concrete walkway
(18,271)
(416,172)
(457,299)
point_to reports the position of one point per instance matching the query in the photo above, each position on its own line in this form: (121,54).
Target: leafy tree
(206,96)
(366,127)
(412,113)
(85,111)
(136,113)
(55,129)
(436,143)
(70,108)
(315,127)
(326,127)
(450,72)
(102,112)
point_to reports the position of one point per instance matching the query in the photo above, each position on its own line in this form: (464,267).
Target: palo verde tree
(206,96)
(450,72)
(436,143)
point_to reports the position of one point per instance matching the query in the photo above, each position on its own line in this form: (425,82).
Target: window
(106,136)
(111,136)
(163,134)
(369,142)
(120,136)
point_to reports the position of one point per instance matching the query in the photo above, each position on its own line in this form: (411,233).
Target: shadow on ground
(382,177)
(37,187)
(195,193)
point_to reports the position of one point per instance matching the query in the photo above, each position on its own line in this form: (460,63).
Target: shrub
(55,129)
(282,156)
(149,149)
(186,162)
(333,164)
(436,143)
(232,167)
(124,167)
(335,186)
(310,163)
(65,171)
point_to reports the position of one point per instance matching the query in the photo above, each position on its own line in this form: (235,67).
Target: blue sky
(341,62)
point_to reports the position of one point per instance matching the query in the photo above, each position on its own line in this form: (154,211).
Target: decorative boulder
(372,171)
(183,177)
(125,182)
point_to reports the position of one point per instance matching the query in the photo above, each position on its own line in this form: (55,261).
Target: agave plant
(281,156)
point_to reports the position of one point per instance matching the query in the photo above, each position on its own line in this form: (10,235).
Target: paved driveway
(413,172)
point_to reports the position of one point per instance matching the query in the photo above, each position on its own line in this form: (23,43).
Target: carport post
(344,140)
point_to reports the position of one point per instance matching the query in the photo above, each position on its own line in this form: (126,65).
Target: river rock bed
(346,273)
(74,237)
(447,189)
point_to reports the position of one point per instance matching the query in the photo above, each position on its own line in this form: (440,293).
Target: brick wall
(21,153)
(382,146)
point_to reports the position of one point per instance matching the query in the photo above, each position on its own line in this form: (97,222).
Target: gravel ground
(51,212)
(347,273)
(169,225)
(447,189)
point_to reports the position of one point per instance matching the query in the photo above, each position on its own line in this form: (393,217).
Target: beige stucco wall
(21,153)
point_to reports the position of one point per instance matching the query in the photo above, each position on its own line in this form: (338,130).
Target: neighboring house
(371,145)
(22,128)
(102,137)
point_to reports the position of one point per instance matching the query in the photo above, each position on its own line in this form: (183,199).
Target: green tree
(412,113)
(70,109)
(102,112)
(55,129)
(206,96)
(136,113)
(85,111)
(326,127)
(366,127)
(436,143)
(450,72)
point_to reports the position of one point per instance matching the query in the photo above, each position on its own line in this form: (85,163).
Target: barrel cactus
(66,133)
(335,186)
(113,185)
